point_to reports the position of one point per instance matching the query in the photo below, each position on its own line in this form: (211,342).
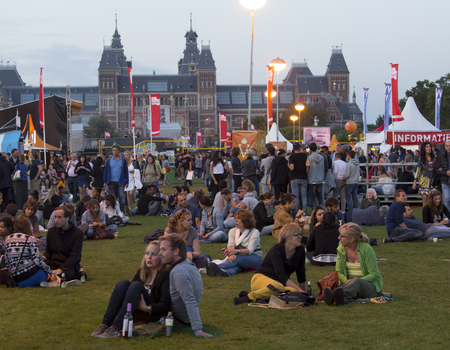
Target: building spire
(116,20)
(191,20)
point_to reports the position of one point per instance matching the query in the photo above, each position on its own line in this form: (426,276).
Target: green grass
(416,275)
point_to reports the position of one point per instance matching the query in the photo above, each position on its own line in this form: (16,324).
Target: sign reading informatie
(416,138)
(319,135)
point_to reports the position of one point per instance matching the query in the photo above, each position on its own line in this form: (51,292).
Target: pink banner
(270,73)
(155,114)
(223,127)
(41,100)
(199,138)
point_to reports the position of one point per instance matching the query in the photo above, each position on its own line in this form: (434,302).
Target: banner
(155,114)
(223,127)
(252,127)
(320,135)
(130,78)
(366,95)
(107,135)
(387,102)
(199,138)
(416,138)
(228,139)
(396,114)
(437,111)
(188,139)
(270,74)
(41,100)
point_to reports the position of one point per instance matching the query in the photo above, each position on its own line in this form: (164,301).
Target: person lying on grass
(148,292)
(356,266)
(285,257)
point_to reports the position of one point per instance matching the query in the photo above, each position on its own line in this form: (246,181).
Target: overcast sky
(66,38)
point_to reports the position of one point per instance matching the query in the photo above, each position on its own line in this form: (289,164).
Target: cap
(281,151)
(347,148)
(296,145)
(303,146)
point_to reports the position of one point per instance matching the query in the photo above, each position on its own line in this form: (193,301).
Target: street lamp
(251,5)
(294,118)
(278,64)
(299,107)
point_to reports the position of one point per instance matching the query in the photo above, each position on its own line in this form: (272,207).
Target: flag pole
(43,118)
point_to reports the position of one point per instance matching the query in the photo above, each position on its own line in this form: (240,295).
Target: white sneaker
(50,284)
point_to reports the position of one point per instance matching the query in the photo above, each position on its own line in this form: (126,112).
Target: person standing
(115,176)
(443,169)
(393,159)
(299,165)
(83,170)
(249,168)
(279,177)
(186,164)
(217,168)
(237,168)
(316,176)
(130,188)
(339,166)
(73,176)
(22,184)
(266,164)
(351,179)
(35,171)
(426,168)
(6,185)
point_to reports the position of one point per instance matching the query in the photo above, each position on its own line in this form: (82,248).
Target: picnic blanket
(383,299)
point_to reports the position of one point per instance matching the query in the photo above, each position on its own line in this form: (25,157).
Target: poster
(320,135)
(245,140)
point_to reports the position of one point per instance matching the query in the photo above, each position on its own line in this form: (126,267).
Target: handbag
(102,233)
(17,175)
(329,281)
(277,303)
(6,276)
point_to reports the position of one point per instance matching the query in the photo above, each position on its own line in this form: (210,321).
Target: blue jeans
(119,191)
(438,231)
(404,234)
(266,188)
(229,223)
(35,280)
(351,193)
(155,207)
(242,263)
(299,187)
(316,195)
(446,195)
(378,189)
(73,187)
(216,237)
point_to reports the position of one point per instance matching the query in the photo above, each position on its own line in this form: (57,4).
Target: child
(332,205)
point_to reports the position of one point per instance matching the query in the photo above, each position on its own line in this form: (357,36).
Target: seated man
(406,176)
(396,228)
(64,246)
(332,205)
(429,230)
(246,201)
(10,212)
(186,191)
(73,217)
(193,209)
(149,203)
(228,197)
(371,216)
(186,287)
(173,204)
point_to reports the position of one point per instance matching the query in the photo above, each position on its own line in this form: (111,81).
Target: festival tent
(272,137)
(32,139)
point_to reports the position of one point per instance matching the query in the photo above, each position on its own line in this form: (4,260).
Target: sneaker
(387,240)
(128,211)
(111,332)
(243,294)
(99,331)
(216,270)
(241,300)
(164,215)
(328,296)
(209,272)
(51,284)
(338,296)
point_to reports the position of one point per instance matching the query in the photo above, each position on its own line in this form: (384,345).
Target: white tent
(272,137)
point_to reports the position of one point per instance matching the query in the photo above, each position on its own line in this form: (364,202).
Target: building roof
(113,56)
(9,76)
(297,69)
(313,84)
(337,62)
(206,60)
(346,108)
(179,83)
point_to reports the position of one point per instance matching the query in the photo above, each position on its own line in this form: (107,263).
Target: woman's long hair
(435,210)
(423,154)
(95,217)
(314,220)
(145,272)
(52,191)
(112,200)
(98,162)
(216,159)
(22,225)
(180,215)
(354,231)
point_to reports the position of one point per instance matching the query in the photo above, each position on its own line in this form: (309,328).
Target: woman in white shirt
(217,168)
(130,188)
(385,184)
(111,208)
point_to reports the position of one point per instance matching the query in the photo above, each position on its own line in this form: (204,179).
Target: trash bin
(171,176)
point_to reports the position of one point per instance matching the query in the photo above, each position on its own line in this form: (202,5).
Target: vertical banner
(437,111)
(396,114)
(130,77)
(270,74)
(228,139)
(155,114)
(223,127)
(41,100)
(387,102)
(252,127)
(107,135)
(199,138)
(366,95)
(242,123)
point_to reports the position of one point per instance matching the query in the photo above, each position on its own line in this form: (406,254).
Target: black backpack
(154,235)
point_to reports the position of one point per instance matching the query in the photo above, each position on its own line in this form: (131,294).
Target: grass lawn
(416,275)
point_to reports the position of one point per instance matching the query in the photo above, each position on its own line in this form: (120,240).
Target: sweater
(248,167)
(277,267)
(429,219)
(144,201)
(394,216)
(281,217)
(261,217)
(368,261)
(316,173)
(351,175)
(364,203)
(369,216)
(251,242)
(280,171)
(216,218)
(87,218)
(323,241)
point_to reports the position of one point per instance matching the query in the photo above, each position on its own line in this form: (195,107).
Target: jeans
(242,263)
(229,223)
(199,262)
(267,230)
(378,189)
(73,187)
(198,173)
(216,237)
(438,231)
(266,188)
(357,287)
(351,196)
(446,195)
(340,191)
(119,191)
(403,234)
(35,280)
(255,181)
(237,182)
(315,194)
(155,207)
(299,187)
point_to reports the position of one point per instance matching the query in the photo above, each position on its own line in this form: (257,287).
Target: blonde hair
(51,192)
(145,270)
(249,153)
(287,231)
(354,231)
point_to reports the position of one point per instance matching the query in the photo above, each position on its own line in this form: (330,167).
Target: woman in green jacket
(356,266)
(369,200)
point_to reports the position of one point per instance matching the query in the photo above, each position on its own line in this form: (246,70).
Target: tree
(306,120)
(378,123)
(98,126)
(342,134)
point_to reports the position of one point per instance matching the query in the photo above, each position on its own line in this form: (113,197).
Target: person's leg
(378,189)
(200,262)
(358,288)
(355,196)
(303,195)
(319,192)
(216,237)
(153,208)
(313,195)
(121,195)
(135,211)
(90,233)
(348,198)
(446,195)
(113,188)
(229,223)
(438,231)
(125,219)
(260,290)
(267,230)
(246,261)
(111,228)
(35,280)
(403,234)
(341,185)
(115,302)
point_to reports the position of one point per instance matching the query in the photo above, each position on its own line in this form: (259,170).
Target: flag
(438,107)
(188,139)
(223,127)
(228,139)
(252,127)
(270,73)
(396,114)
(199,138)
(155,114)
(107,135)
(242,123)
(41,100)
(366,95)
(387,102)
(130,77)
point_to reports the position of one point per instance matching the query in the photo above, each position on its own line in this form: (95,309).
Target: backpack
(154,235)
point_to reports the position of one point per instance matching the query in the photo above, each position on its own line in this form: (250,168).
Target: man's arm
(197,223)
(38,173)
(75,254)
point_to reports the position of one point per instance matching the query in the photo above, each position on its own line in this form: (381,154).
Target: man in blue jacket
(115,176)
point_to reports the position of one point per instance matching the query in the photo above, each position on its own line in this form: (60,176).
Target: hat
(347,148)
(303,146)
(296,145)
(281,151)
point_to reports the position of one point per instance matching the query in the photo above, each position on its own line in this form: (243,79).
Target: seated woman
(148,292)
(34,197)
(264,223)
(244,250)
(250,187)
(385,183)
(323,242)
(433,211)
(111,207)
(94,217)
(284,258)
(181,224)
(22,257)
(316,217)
(369,200)
(283,215)
(96,194)
(81,207)
(29,210)
(356,266)
(211,226)
(52,201)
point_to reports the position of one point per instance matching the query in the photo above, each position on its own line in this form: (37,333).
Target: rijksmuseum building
(192,97)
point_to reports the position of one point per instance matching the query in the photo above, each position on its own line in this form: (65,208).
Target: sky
(66,39)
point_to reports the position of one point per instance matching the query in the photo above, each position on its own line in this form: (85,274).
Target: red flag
(396,114)
(270,73)
(155,114)
(199,138)
(107,135)
(41,100)
(223,127)
(130,77)
(252,127)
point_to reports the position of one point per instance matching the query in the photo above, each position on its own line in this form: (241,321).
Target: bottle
(127,329)
(63,281)
(309,290)
(168,323)
(83,275)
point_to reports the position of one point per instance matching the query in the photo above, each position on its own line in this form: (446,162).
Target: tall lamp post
(278,64)
(272,95)
(299,107)
(294,118)
(251,5)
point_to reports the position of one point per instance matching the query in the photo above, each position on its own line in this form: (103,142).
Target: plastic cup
(435,239)
(116,235)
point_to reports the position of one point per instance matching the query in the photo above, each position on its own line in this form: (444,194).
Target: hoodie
(316,173)
(280,171)
(351,175)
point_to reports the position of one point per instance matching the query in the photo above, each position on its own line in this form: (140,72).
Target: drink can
(224,250)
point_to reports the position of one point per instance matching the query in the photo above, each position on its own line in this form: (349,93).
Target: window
(332,117)
(207,102)
(91,99)
(238,97)
(286,97)
(256,97)
(137,101)
(157,86)
(123,101)
(26,98)
(108,104)
(223,97)
(77,97)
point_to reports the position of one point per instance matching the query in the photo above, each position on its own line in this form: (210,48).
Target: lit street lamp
(278,64)
(294,118)
(251,5)
(299,107)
